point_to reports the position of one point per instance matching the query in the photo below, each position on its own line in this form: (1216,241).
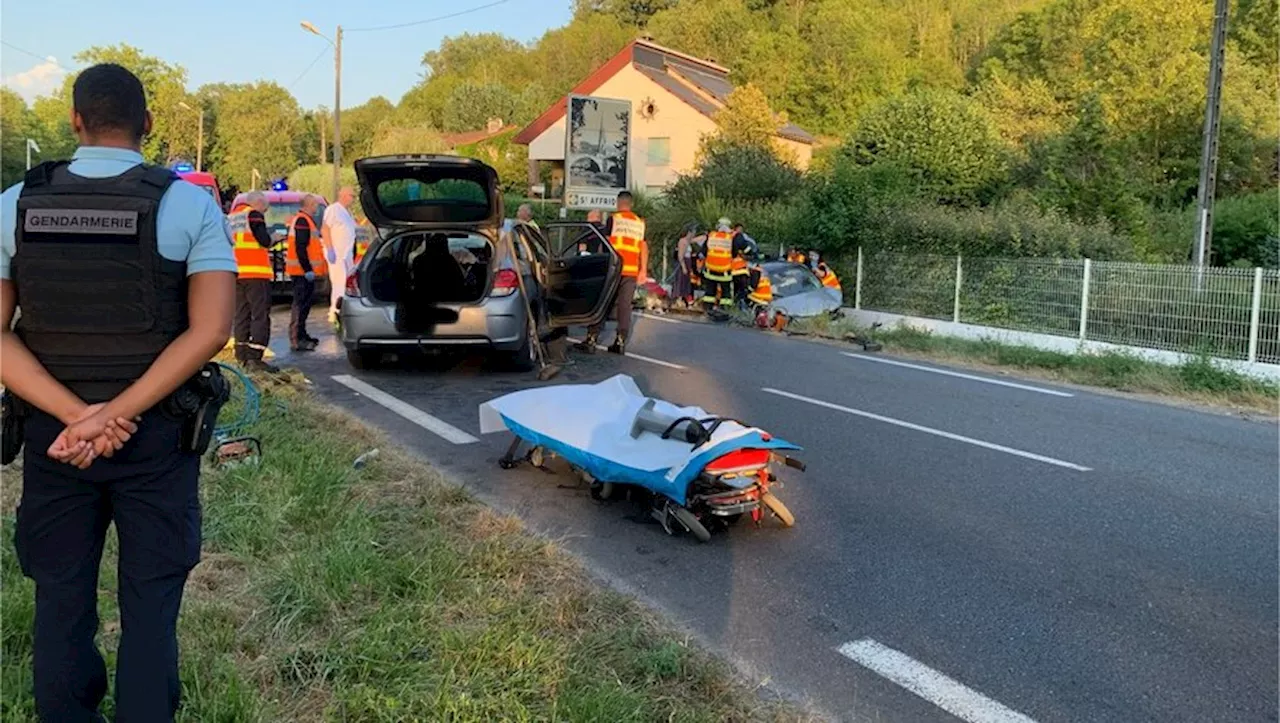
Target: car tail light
(505,283)
(353,284)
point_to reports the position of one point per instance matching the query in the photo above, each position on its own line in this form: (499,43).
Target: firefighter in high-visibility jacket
(364,236)
(828,277)
(252,241)
(303,261)
(625,231)
(762,294)
(717,268)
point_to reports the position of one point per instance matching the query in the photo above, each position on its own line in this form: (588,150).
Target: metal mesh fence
(1176,308)
(1027,294)
(912,285)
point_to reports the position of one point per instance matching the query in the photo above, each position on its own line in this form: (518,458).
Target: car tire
(523,359)
(362,359)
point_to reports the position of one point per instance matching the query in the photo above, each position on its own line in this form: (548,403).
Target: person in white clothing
(339,240)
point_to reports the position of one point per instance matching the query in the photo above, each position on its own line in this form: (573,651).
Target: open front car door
(581,275)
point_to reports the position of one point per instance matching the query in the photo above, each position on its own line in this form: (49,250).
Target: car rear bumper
(495,323)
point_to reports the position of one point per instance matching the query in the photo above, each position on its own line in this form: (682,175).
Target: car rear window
(792,280)
(279,215)
(457,200)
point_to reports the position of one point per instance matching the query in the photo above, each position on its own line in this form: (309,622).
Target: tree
(947,140)
(392,140)
(745,121)
(15,127)
(360,124)
(258,124)
(471,105)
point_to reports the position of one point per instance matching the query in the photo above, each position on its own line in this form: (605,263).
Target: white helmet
(723,223)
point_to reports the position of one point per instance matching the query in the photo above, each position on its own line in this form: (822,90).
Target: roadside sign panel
(597,151)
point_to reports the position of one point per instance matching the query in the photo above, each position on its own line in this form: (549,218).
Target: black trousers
(740,286)
(150,490)
(621,308)
(304,295)
(714,285)
(253,318)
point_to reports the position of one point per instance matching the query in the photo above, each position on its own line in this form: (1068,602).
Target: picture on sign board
(597,144)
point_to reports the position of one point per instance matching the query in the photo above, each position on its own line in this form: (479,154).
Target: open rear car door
(581,274)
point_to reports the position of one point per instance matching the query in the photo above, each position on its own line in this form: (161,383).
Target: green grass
(386,594)
(1198,379)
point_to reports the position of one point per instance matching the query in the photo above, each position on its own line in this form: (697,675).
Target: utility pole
(1209,152)
(337,112)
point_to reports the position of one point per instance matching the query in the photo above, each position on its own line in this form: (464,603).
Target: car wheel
(523,359)
(362,359)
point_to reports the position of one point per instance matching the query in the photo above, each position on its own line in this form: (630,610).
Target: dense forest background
(1000,127)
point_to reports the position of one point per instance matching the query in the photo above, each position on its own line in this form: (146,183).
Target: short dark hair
(110,99)
(624,195)
(738,225)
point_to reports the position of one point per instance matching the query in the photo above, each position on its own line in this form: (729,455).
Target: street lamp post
(31,144)
(337,100)
(200,136)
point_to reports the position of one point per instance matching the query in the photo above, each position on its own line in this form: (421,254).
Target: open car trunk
(428,274)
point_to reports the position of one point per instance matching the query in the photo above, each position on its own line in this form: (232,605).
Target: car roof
(200,178)
(281,197)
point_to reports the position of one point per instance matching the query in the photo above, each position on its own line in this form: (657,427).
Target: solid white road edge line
(928,430)
(633,355)
(950,373)
(408,411)
(657,317)
(948,694)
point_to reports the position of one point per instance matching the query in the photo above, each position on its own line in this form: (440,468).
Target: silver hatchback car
(446,272)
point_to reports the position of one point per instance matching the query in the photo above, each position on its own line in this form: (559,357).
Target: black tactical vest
(98,301)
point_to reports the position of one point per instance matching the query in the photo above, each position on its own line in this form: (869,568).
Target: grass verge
(385,594)
(1198,379)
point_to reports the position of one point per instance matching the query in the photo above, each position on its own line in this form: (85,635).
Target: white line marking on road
(950,373)
(656,317)
(408,411)
(928,430)
(633,355)
(948,694)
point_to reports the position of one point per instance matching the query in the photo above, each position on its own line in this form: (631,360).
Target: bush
(318,179)
(947,141)
(736,174)
(1246,230)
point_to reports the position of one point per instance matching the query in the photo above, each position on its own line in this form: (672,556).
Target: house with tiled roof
(674,98)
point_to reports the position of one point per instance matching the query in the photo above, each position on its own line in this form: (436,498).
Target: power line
(306,70)
(37,56)
(424,22)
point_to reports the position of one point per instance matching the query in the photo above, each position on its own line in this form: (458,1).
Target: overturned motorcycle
(702,471)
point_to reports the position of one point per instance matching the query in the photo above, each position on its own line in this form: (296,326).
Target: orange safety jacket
(763,293)
(252,260)
(739,266)
(719,252)
(627,238)
(830,281)
(315,250)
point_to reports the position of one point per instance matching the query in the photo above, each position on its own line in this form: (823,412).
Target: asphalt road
(1006,553)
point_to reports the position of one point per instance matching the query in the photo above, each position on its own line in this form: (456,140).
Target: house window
(659,151)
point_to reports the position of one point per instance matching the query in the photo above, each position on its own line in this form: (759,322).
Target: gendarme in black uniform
(99,303)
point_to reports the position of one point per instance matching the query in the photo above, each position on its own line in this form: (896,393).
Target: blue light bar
(279,185)
(183,167)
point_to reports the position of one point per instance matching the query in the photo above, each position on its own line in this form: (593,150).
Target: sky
(247,41)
